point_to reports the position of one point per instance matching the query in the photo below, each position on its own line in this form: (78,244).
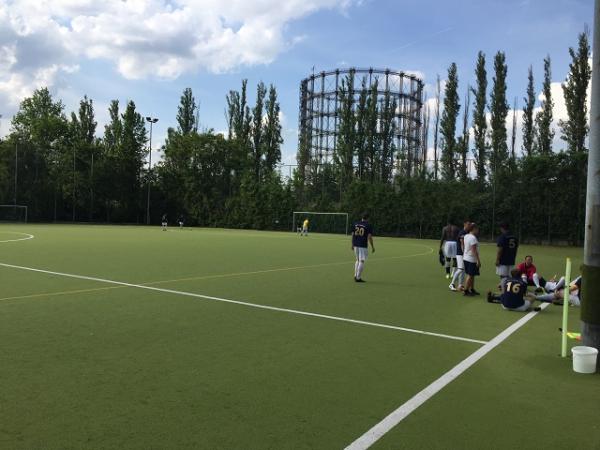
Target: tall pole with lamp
(151,120)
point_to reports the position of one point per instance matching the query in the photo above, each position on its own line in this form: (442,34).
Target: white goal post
(326,222)
(13,213)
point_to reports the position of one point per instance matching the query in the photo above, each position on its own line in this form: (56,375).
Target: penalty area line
(248,304)
(395,417)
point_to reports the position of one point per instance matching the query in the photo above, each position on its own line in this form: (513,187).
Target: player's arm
(442,238)
(498,255)
(371,242)
(477,255)
(352,240)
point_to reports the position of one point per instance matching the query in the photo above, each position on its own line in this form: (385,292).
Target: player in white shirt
(472,260)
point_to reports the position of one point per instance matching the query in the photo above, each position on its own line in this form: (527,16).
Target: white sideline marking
(27,236)
(252,305)
(393,419)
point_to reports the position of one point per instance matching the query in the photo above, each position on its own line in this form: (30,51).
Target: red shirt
(525,270)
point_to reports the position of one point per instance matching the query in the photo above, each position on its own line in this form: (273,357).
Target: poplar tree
(498,113)
(528,126)
(344,151)
(438,94)
(479,119)
(186,113)
(543,119)
(448,124)
(272,139)
(575,129)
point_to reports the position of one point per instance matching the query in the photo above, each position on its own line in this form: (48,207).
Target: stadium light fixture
(151,121)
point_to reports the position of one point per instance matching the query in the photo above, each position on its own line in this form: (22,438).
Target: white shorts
(164,224)
(460,262)
(522,308)
(305,229)
(361,253)
(504,271)
(450,249)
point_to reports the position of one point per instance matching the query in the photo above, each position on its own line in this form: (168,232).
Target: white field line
(248,304)
(394,418)
(27,236)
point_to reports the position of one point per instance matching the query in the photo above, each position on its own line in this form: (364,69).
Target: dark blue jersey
(514,292)
(461,235)
(509,245)
(360,234)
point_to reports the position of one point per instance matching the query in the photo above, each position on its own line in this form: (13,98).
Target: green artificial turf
(89,365)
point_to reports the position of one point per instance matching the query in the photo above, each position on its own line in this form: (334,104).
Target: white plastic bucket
(584,359)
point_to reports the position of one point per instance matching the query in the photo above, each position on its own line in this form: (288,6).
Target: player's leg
(536,280)
(469,269)
(560,284)
(547,298)
(493,298)
(523,308)
(362,252)
(459,274)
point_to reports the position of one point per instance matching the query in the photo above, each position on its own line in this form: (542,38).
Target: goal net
(13,213)
(321,222)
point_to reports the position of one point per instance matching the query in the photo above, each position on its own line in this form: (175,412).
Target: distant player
(305,227)
(362,235)
(180,221)
(448,245)
(514,293)
(530,275)
(506,255)
(459,273)
(164,222)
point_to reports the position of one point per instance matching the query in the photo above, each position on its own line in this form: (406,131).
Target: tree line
(67,171)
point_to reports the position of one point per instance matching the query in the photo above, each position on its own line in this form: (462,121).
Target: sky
(148,51)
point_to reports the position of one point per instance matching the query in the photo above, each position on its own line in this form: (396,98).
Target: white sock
(560,284)
(359,271)
(457,276)
(536,280)
(503,283)
(356,269)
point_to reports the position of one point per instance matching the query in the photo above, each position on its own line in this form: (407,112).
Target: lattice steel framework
(320,103)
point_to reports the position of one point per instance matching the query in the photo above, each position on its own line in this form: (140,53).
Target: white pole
(590,311)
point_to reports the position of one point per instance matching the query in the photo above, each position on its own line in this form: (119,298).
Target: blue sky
(150,50)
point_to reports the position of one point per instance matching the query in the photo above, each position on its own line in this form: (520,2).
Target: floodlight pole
(16,169)
(151,120)
(590,309)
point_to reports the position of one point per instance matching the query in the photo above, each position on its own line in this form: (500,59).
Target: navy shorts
(471,268)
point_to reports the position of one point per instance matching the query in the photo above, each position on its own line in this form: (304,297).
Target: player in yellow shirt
(304,228)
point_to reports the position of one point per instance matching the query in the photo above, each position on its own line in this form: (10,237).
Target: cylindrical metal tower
(320,102)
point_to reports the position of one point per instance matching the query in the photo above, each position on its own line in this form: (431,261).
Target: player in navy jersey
(513,295)
(362,236)
(506,255)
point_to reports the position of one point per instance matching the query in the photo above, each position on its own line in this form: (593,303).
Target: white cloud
(41,40)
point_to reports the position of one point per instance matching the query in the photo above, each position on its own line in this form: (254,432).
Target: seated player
(513,297)
(304,227)
(164,222)
(530,275)
(557,297)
